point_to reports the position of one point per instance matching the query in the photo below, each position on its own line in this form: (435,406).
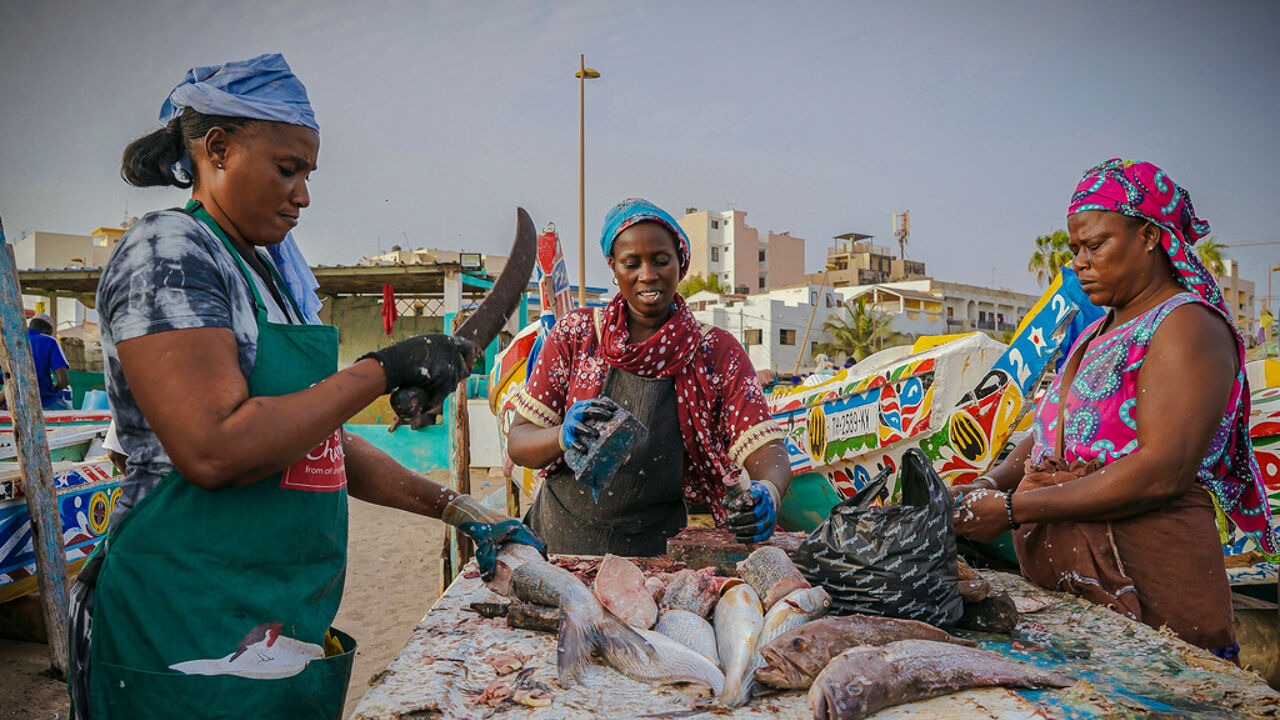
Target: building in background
(852,260)
(1239,294)
(40,250)
(721,244)
(770,325)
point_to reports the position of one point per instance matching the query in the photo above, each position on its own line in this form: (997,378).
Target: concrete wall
(785,260)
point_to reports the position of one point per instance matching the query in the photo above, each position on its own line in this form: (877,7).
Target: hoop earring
(615,279)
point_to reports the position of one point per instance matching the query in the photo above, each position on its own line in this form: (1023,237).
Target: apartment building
(723,245)
(1239,294)
(853,260)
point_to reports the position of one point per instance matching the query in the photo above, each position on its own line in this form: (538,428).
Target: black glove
(425,369)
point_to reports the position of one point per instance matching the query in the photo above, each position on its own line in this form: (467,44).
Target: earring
(615,279)
(1150,248)
(220,167)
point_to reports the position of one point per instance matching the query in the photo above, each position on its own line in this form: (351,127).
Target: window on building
(754,337)
(715,254)
(950,312)
(715,224)
(764,282)
(786,337)
(763,257)
(830,302)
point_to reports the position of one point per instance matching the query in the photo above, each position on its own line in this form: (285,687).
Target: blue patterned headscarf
(634,210)
(260,88)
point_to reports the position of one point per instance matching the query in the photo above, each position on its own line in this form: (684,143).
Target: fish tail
(607,635)
(738,689)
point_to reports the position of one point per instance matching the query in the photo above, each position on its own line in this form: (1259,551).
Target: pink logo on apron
(324,469)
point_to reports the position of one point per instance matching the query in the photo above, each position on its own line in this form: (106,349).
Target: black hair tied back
(148,161)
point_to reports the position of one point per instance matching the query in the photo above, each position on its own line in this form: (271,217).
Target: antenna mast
(902,231)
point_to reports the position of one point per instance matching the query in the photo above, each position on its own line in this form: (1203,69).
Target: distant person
(692,385)
(214,592)
(51,364)
(1142,438)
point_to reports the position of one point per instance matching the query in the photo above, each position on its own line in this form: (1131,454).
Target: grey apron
(643,505)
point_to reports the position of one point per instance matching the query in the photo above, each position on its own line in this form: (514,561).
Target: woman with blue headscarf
(692,385)
(213,593)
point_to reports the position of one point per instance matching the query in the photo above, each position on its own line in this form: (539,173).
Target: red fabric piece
(389,313)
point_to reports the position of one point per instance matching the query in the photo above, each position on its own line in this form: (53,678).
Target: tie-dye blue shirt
(168,273)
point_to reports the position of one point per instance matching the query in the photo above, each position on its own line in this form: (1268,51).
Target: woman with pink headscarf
(1143,431)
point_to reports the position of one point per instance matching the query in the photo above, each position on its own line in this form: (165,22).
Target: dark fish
(865,680)
(795,658)
(585,626)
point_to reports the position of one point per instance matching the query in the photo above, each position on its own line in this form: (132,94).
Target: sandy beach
(393,578)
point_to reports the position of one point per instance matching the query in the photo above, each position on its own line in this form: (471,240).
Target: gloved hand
(577,430)
(753,513)
(423,370)
(489,530)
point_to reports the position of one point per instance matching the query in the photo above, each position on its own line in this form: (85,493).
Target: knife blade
(484,324)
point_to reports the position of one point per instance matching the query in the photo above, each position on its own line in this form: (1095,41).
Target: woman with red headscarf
(1143,430)
(691,385)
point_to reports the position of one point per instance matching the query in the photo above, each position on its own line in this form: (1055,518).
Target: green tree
(1050,255)
(857,330)
(1210,252)
(696,283)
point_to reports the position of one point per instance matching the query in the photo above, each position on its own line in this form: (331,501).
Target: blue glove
(753,514)
(576,430)
(490,537)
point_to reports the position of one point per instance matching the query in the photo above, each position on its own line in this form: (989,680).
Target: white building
(771,325)
(46,250)
(1239,295)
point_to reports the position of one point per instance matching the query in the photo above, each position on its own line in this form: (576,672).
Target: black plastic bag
(897,560)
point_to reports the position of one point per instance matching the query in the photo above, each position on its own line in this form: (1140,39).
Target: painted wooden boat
(86,494)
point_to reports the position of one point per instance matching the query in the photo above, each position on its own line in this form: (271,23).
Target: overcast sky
(439,118)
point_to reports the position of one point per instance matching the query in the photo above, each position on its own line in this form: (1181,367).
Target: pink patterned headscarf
(1142,190)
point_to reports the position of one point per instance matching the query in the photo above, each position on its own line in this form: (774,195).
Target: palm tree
(1210,252)
(857,331)
(1050,255)
(696,283)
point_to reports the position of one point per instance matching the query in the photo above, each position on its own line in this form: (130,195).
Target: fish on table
(671,662)
(866,679)
(691,630)
(739,616)
(794,659)
(620,588)
(585,626)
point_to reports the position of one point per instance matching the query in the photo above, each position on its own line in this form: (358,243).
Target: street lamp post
(583,74)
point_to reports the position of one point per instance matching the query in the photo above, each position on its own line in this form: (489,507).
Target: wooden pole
(23,397)
(457,549)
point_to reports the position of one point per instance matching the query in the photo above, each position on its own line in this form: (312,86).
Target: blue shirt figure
(51,365)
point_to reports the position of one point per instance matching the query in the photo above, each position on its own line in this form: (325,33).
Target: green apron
(216,604)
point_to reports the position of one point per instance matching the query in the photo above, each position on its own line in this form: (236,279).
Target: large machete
(411,403)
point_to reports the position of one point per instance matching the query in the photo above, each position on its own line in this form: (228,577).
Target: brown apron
(643,505)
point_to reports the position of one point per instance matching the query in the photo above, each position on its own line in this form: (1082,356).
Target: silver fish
(789,613)
(691,630)
(738,619)
(585,626)
(867,679)
(671,663)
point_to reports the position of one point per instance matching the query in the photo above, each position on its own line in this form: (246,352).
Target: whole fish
(671,662)
(738,619)
(585,626)
(864,680)
(691,630)
(791,612)
(795,658)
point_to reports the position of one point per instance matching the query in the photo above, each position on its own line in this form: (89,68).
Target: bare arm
(373,476)
(532,446)
(189,387)
(769,462)
(1183,389)
(63,381)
